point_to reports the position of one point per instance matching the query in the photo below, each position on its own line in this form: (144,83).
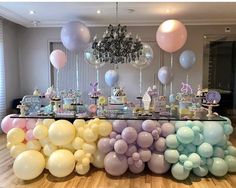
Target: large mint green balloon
(179,124)
(172,141)
(231,162)
(179,172)
(205,150)
(171,155)
(198,139)
(212,132)
(228,129)
(188,165)
(195,159)
(218,152)
(232,150)
(201,171)
(185,135)
(219,167)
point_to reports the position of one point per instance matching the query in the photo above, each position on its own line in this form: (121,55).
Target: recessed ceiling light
(31,12)
(98,11)
(167,11)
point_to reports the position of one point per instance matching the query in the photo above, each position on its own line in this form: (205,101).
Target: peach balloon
(171,35)
(58,59)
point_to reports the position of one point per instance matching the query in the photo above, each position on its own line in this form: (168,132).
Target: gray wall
(11,62)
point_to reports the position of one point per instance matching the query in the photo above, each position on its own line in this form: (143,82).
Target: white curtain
(2,77)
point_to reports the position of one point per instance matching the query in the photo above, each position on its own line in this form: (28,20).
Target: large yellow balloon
(48,122)
(33,145)
(77,143)
(81,169)
(29,164)
(105,128)
(61,163)
(89,135)
(61,132)
(89,148)
(15,136)
(40,131)
(48,149)
(17,149)
(98,159)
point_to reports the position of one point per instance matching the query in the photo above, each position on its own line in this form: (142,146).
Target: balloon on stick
(111,78)
(171,35)
(165,75)
(58,59)
(75,35)
(187,59)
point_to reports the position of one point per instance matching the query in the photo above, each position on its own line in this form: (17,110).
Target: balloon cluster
(133,143)
(58,146)
(200,147)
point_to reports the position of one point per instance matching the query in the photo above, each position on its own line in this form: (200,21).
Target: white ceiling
(57,14)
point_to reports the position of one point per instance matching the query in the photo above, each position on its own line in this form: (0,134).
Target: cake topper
(95,93)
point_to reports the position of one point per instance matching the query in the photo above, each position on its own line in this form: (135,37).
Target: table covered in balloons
(163,144)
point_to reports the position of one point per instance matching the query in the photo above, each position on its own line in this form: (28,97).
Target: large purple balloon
(120,147)
(166,129)
(115,164)
(134,169)
(158,164)
(75,35)
(129,134)
(119,125)
(165,75)
(104,145)
(137,124)
(149,125)
(144,139)
(160,144)
(145,154)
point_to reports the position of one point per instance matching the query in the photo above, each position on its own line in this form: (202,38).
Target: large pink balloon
(19,123)
(171,35)
(7,124)
(58,59)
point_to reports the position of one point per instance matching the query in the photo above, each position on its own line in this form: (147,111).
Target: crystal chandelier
(117,45)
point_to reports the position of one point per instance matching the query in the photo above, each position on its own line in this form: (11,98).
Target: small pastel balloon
(33,145)
(61,163)
(137,124)
(185,135)
(179,172)
(19,123)
(179,124)
(105,128)
(7,123)
(79,155)
(120,147)
(89,135)
(198,139)
(136,170)
(112,141)
(115,164)
(195,159)
(201,171)
(29,135)
(172,98)
(85,161)
(232,150)
(145,154)
(15,136)
(131,149)
(212,132)
(187,59)
(165,75)
(44,141)
(81,169)
(144,139)
(160,144)
(135,156)
(138,163)
(219,167)
(183,158)
(17,149)
(171,35)
(171,155)
(172,141)
(130,161)
(113,134)
(119,125)
(48,122)
(48,149)
(149,125)
(231,162)
(40,131)
(30,124)
(104,145)
(158,164)
(218,152)
(89,147)
(129,134)
(58,58)
(188,165)
(167,129)
(77,143)
(79,123)
(205,150)
(61,132)
(191,148)
(111,78)
(29,165)
(98,159)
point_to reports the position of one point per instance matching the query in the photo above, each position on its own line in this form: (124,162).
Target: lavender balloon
(119,125)
(104,145)
(137,124)
(136,170)
(129,134)
(166,129)
(120,147)
(145,154)
(158,164)
(115,164)
(149,125)
(75,35)
(160,144)
(165,75)
(131,149)
(144,139)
